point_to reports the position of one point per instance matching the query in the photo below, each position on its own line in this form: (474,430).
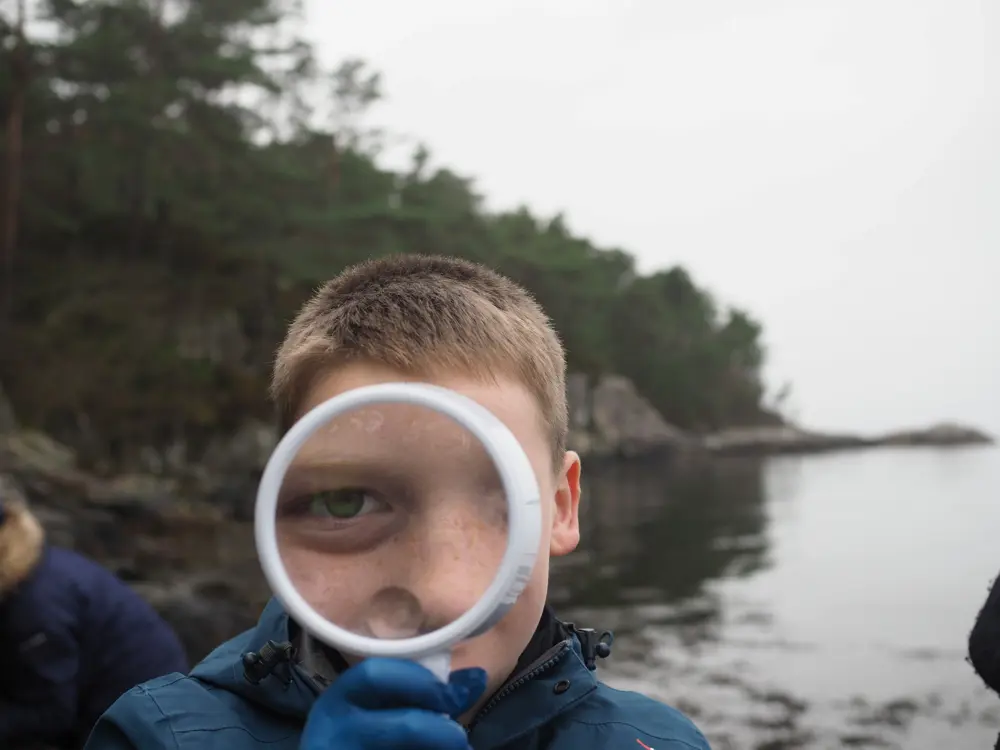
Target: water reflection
(652,536)
(805,602)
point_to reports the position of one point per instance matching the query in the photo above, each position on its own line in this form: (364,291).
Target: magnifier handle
(439,664)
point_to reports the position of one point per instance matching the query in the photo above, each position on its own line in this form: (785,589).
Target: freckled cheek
(336,586)
(465,543)
(453,574)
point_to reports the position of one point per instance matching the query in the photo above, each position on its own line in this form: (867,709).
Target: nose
(395,612)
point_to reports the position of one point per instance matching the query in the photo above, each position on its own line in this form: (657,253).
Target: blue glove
(391,704)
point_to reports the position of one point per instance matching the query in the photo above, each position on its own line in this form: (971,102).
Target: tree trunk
(12,167)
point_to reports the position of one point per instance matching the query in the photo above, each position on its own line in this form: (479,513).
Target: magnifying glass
(398,520)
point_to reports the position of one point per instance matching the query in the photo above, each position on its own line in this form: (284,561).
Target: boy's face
(447,550)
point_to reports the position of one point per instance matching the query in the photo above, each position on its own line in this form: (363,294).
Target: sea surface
(812,602)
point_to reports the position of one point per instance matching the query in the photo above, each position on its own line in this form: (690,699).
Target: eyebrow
(317,467)
(388,462)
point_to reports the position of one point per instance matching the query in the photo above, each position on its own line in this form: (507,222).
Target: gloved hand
(391,704)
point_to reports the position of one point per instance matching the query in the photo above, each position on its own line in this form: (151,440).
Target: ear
(566,508)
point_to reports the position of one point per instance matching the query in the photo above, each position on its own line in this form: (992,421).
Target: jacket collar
(533,697)
(551,676)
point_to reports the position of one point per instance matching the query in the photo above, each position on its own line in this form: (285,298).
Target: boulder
(246,450)
(611,418)
(30,451)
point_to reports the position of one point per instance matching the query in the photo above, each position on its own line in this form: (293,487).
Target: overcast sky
(831,165)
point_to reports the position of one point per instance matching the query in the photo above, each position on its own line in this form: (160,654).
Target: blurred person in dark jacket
(73,637)
(984,642)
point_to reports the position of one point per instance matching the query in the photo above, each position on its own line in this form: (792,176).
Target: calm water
(809,602)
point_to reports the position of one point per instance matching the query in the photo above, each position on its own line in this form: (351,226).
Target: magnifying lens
(397,520)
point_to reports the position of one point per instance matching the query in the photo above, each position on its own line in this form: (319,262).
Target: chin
(485,652)
(498,650)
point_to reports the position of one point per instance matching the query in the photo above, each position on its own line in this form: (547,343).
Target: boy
(528,682)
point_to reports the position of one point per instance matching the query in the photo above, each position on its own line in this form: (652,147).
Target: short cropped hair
(421,315)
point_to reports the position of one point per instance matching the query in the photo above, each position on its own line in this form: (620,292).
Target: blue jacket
(76,638)
(553,702)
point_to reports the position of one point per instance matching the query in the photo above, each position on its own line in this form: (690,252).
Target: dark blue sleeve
(45,683)
(133,722)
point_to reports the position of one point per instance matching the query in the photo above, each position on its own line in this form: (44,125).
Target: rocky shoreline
(610,419)
(178,527)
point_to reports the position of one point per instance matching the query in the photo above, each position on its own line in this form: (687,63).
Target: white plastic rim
(523,532)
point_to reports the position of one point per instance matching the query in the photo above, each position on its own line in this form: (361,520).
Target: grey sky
(830,165)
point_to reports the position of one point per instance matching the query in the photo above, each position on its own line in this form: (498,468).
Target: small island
(788,439)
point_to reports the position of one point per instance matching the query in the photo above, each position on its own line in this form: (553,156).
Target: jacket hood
(22,541)
(224,668)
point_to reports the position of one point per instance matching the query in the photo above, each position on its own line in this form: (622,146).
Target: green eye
(346,503)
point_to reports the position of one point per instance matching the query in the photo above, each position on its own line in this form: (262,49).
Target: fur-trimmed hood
(22,542)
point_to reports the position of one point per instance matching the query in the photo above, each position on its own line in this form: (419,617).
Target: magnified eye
(343,504)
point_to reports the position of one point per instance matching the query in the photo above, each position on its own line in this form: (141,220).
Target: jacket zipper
(511,687)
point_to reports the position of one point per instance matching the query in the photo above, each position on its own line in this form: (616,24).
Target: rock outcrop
(609,418)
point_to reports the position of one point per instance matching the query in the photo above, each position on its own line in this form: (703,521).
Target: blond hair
(22,539)
(422,315)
